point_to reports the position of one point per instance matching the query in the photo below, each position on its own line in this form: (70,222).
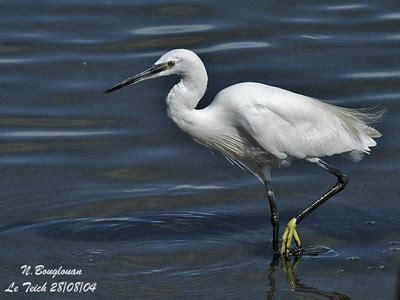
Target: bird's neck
(184,97)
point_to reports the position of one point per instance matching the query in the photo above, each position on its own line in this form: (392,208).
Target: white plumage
(267,125)
(258,126)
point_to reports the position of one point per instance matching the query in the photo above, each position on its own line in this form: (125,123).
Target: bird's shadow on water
(289,265)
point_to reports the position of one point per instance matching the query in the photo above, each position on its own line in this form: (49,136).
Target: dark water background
(108,184)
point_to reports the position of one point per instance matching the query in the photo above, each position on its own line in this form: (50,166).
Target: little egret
(257,127)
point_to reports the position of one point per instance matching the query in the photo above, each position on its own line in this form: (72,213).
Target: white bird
(258,127)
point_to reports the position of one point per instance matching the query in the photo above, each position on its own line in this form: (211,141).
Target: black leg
(274,214)
(290,231)
(343,179)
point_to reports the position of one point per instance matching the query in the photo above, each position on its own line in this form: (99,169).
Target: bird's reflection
(288,267)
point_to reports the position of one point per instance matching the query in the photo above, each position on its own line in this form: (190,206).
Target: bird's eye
(171,64)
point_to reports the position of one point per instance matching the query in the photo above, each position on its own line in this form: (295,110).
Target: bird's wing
(288,124)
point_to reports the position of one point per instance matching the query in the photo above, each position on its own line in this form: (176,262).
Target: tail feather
(372,132)
(362,118)
(357,122)
(367,115)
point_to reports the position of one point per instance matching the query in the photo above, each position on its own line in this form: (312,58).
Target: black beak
(146,74)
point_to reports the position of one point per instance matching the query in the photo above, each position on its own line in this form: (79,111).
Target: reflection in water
(289,270)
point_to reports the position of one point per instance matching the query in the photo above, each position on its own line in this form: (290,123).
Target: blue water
(109,185)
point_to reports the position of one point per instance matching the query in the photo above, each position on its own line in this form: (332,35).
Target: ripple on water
(354,6)
(91,258)
(54,133)
(172,29)
(391,16)
(240,45)
(234,46)
(13,61)
(316,251)
(374,74)
(170,244)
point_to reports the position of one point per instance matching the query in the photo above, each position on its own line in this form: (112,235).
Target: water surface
(108,184)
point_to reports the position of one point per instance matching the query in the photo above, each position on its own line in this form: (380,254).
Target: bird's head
(178,61)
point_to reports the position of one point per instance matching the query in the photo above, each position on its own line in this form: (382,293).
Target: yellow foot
(288,235)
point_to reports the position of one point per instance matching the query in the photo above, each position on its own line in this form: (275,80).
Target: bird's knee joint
(343,179)
(270,194)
